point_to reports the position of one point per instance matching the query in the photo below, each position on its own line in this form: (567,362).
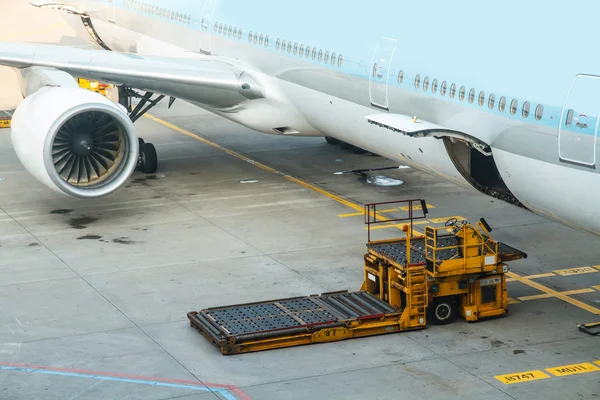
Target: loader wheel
(442,311)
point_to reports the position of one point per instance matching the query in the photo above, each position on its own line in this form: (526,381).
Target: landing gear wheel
(148,158)
(442,311)
(332,141)
(352,148)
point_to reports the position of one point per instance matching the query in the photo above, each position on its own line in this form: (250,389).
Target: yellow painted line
(519,377)
(417,207)
(575,271)
(578,291)
(596,287)
(573,369)
(264,167)
(597,266)
(546,295)
(540,276)
(31,32)
(445,219)
(511,280)
(360,214)
(597,362)
(535,297)
(554,293)
(513,301)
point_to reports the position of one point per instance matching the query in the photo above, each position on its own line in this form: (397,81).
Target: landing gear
(147,158)
(344,145)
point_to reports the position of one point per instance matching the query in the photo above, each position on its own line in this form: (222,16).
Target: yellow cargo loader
(457,269)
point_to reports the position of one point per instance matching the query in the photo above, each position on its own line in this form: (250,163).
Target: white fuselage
(311,98)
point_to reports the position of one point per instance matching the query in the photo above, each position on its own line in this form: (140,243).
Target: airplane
(502,97)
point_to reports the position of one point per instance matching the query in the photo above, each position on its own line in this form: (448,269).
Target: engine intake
(75,141)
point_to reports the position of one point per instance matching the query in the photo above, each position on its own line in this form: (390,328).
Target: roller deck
(295,321)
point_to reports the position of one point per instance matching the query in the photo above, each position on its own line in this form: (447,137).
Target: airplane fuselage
(505,73)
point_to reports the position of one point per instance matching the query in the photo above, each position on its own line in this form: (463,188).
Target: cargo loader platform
(295,321)
(455,269)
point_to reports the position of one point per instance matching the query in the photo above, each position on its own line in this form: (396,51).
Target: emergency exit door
(578,127)
(380,72)
(206,28)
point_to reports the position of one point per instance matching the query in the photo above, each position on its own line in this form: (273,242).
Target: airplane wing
(213,81)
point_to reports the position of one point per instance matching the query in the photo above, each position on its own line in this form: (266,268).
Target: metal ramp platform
(296,321)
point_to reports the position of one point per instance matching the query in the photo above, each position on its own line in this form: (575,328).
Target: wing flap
(166,75)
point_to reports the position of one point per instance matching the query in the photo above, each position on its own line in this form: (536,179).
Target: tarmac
(94,294)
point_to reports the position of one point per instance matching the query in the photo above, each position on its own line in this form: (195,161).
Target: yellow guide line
(348,203)
(554,293)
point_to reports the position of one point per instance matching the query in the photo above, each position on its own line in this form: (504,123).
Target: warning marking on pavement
(573,369)
(518,377)
(576,271)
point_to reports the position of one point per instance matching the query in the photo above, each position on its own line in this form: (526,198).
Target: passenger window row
(309,52)
(159,12)
(226,30)
(481,97)
(261,39)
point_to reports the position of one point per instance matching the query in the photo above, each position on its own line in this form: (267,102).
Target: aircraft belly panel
(558,192)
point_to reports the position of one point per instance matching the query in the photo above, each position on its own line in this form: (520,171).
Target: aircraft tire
(149,158)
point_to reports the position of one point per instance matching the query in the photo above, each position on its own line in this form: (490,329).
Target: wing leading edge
(196,79)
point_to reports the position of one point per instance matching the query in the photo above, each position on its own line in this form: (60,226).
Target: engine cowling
(75,141)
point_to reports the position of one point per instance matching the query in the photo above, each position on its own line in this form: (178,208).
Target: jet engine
(75,141)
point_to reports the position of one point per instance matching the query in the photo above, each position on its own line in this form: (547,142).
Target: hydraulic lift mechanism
(430,277)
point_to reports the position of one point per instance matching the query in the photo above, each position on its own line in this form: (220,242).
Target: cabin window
(443,88)
(434,86)
(216,27)
(452,90)
(492,101)
(225,29)
(513,106)
(471,96)
(283,45)
(425,83)
(400,77)
(301,53)
(240,34)
(340,61)
(333,59)
(230,30)
(539,112)
(220,28)
(250,36)
(417,81)
(307,51)
(502,104)
(526,109)
(235,33)
(289,47)
(461,94)
(481,98)
(267,41)
(261,40)
(255,37)
(320,55)
(327,57)
(314,53)
(295,48)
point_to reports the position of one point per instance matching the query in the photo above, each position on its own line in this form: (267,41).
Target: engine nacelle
(75,141)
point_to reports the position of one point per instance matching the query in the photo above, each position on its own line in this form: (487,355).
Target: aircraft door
(208,10)
(578,127)
(380,71)
(111,11)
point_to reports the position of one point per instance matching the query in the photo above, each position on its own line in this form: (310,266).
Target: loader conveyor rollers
(295,321)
